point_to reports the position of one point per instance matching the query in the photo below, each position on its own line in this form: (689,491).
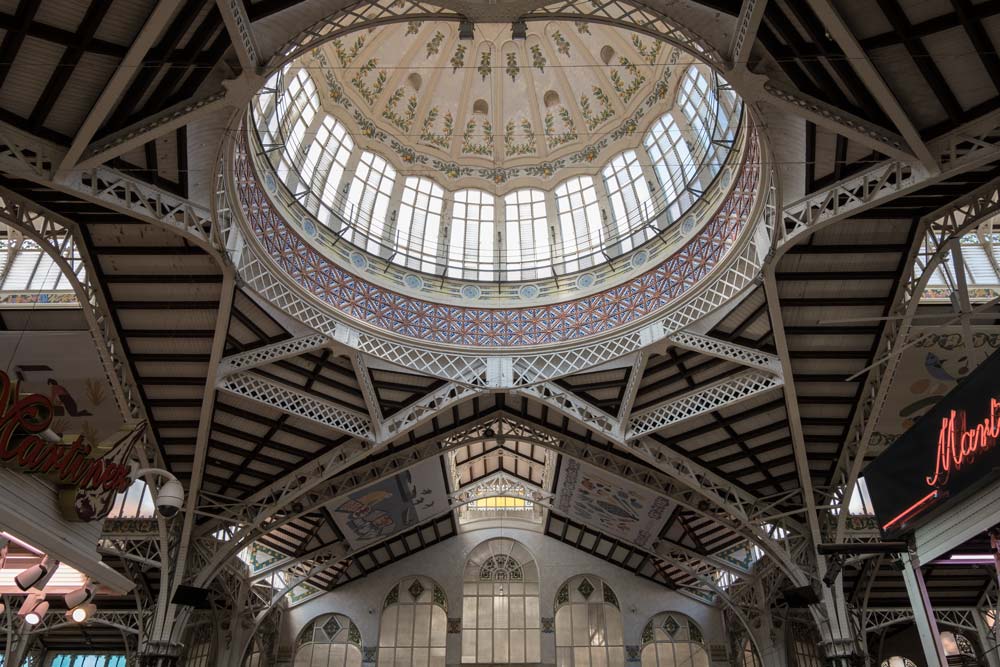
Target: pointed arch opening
(588,624)
(329,640)
(414,625)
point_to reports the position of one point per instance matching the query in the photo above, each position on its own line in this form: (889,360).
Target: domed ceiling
(495,107)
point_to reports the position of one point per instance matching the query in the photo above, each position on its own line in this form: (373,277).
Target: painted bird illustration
(936,369)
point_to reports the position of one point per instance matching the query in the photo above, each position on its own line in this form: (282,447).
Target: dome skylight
(495,159)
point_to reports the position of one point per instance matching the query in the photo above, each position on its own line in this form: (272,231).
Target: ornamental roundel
(592,315)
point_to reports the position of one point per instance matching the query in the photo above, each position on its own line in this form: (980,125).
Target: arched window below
(804,648)
(748,656)
(500,619)
(898,661)
(588,624)
(958,646)
(331,640)
(414,625)
(671,639)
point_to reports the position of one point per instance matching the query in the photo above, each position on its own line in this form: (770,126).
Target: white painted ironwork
(740,354)
(715,396)
(267,354)
(297,402)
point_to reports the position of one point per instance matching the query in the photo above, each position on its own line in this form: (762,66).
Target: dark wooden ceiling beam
(982,10)
(15,35)
(70,58)
(922,58)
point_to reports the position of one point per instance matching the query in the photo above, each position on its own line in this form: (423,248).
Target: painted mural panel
(928,370)
(589,495)
(392,505)
(74,381)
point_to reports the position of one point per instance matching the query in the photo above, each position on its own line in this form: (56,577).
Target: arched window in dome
(898,661)
(330,640)
(368,200)
(527,238)
(323,169)
(588,624)
(629,195)
(579,219)
(420,222)
(303,102)
(500,616)
(414,623)
(697,103)
(671,639)
(470,240)
(671,159)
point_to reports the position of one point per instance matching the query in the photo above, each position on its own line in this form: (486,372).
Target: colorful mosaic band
(416,318)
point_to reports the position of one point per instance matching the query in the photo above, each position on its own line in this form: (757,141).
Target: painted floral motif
(346,56)
(588,154)
(596,118)
(511,145)
(498,174)
(369,92)
(413,27)
(470,146)
(582,27)
(554,138)
(451,169)
(562,45)
(627,90)
(512,67)
(443,140)
(629,127)
(407,154)
(434,45)
(484,64)
(538,58)
(458,60)
(544,169)
(404,120)
(368,128)
(648,54)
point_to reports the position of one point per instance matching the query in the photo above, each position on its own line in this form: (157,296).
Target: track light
(38,575)
(81,613)
(33,610)
(80,596)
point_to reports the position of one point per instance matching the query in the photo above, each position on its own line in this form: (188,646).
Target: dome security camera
(170,498)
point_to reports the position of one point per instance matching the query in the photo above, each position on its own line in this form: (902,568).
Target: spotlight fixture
(488,432)
(465,29)
(34,608)
(519,29)
(80,596)
(38,575)
(81,613)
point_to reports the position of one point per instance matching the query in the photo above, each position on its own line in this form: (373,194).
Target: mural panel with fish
(588,495)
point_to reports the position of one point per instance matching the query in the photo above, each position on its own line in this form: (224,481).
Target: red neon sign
(958,443)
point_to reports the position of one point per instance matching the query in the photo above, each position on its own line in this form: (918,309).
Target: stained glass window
(671,639)
(87,660)
(588,624)
(500,615)
(414,625)
(331,640)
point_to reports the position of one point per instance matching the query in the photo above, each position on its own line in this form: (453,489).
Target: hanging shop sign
(951,451)
(87,484)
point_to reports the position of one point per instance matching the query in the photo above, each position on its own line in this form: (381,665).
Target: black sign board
(949,452)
